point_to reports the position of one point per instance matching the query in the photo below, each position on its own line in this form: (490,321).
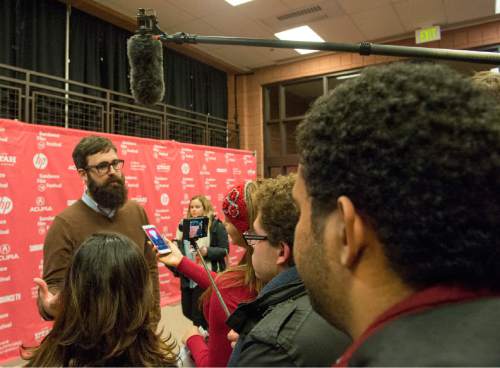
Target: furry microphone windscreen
(145,56)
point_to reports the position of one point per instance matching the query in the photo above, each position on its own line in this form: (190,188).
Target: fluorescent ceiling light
(497,6)
(303,33)
(237,2)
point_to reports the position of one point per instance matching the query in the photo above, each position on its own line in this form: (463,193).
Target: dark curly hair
(416,147)
(488,81)
(277,210)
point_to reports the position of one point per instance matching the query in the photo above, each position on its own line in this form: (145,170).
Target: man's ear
(353,232)
(284,254)
(83,175)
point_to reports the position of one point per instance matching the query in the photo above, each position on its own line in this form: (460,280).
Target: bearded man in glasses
(103,208)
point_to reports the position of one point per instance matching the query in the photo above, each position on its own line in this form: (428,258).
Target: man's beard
(111,195)
(325,297)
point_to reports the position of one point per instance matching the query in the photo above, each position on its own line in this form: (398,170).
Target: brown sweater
(76,223)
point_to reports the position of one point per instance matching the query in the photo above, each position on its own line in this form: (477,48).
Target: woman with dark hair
(237,284)
(104,315)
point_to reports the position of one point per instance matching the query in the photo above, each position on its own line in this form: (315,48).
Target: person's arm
(195,272)
(199,350)
(48,302)
(58,250)
(153,271)
(218,349)
(185,266)
(150,257)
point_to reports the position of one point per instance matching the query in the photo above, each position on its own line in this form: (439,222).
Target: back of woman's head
(108,289)
(240,211)
(106,308)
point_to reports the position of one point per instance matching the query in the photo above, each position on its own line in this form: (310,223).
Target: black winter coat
(461,334)
(279,328)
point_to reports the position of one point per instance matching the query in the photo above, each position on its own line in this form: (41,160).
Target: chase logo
(40,161)
(6,205)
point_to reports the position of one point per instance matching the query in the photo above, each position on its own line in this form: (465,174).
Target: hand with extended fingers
(49,300)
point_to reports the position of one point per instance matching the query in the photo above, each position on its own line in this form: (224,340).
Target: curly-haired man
(397,240)
(279,328)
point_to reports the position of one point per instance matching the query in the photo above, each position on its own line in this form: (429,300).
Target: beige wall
(249,87)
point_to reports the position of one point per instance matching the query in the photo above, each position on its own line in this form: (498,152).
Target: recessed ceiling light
(303,33)
(237,2)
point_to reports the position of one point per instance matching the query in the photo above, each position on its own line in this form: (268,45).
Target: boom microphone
(145,56)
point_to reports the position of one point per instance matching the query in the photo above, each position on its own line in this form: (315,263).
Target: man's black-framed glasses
(252,238)
(103,168)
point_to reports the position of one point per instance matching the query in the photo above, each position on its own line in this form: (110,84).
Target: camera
(194,228)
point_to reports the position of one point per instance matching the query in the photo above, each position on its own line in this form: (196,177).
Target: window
(285,105)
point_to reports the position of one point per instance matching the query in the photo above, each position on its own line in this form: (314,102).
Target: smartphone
(154,235)
(195,227)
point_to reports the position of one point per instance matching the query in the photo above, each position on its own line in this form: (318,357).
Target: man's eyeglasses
(252,238)
(103,167)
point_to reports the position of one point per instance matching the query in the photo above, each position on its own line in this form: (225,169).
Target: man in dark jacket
(397,240)
(280,328)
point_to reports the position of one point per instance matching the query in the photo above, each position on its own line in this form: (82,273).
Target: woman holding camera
(214,248)
(236,285)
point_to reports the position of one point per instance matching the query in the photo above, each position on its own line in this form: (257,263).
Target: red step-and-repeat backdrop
(38,180)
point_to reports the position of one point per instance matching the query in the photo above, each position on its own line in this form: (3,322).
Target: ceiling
(346,21)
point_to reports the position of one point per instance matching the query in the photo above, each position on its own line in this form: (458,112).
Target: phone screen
(154,235)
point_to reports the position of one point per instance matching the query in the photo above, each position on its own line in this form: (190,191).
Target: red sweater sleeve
(195,272)
(218,350)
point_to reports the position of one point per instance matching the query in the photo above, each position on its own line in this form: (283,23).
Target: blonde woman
(214,249)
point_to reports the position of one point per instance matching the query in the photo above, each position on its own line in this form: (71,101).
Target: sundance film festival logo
(40,161)
(6,205)
(185,168)
(164,199)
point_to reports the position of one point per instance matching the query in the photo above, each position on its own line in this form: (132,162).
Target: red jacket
(218,350)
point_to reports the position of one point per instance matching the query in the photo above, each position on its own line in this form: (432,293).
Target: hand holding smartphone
(154,235)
